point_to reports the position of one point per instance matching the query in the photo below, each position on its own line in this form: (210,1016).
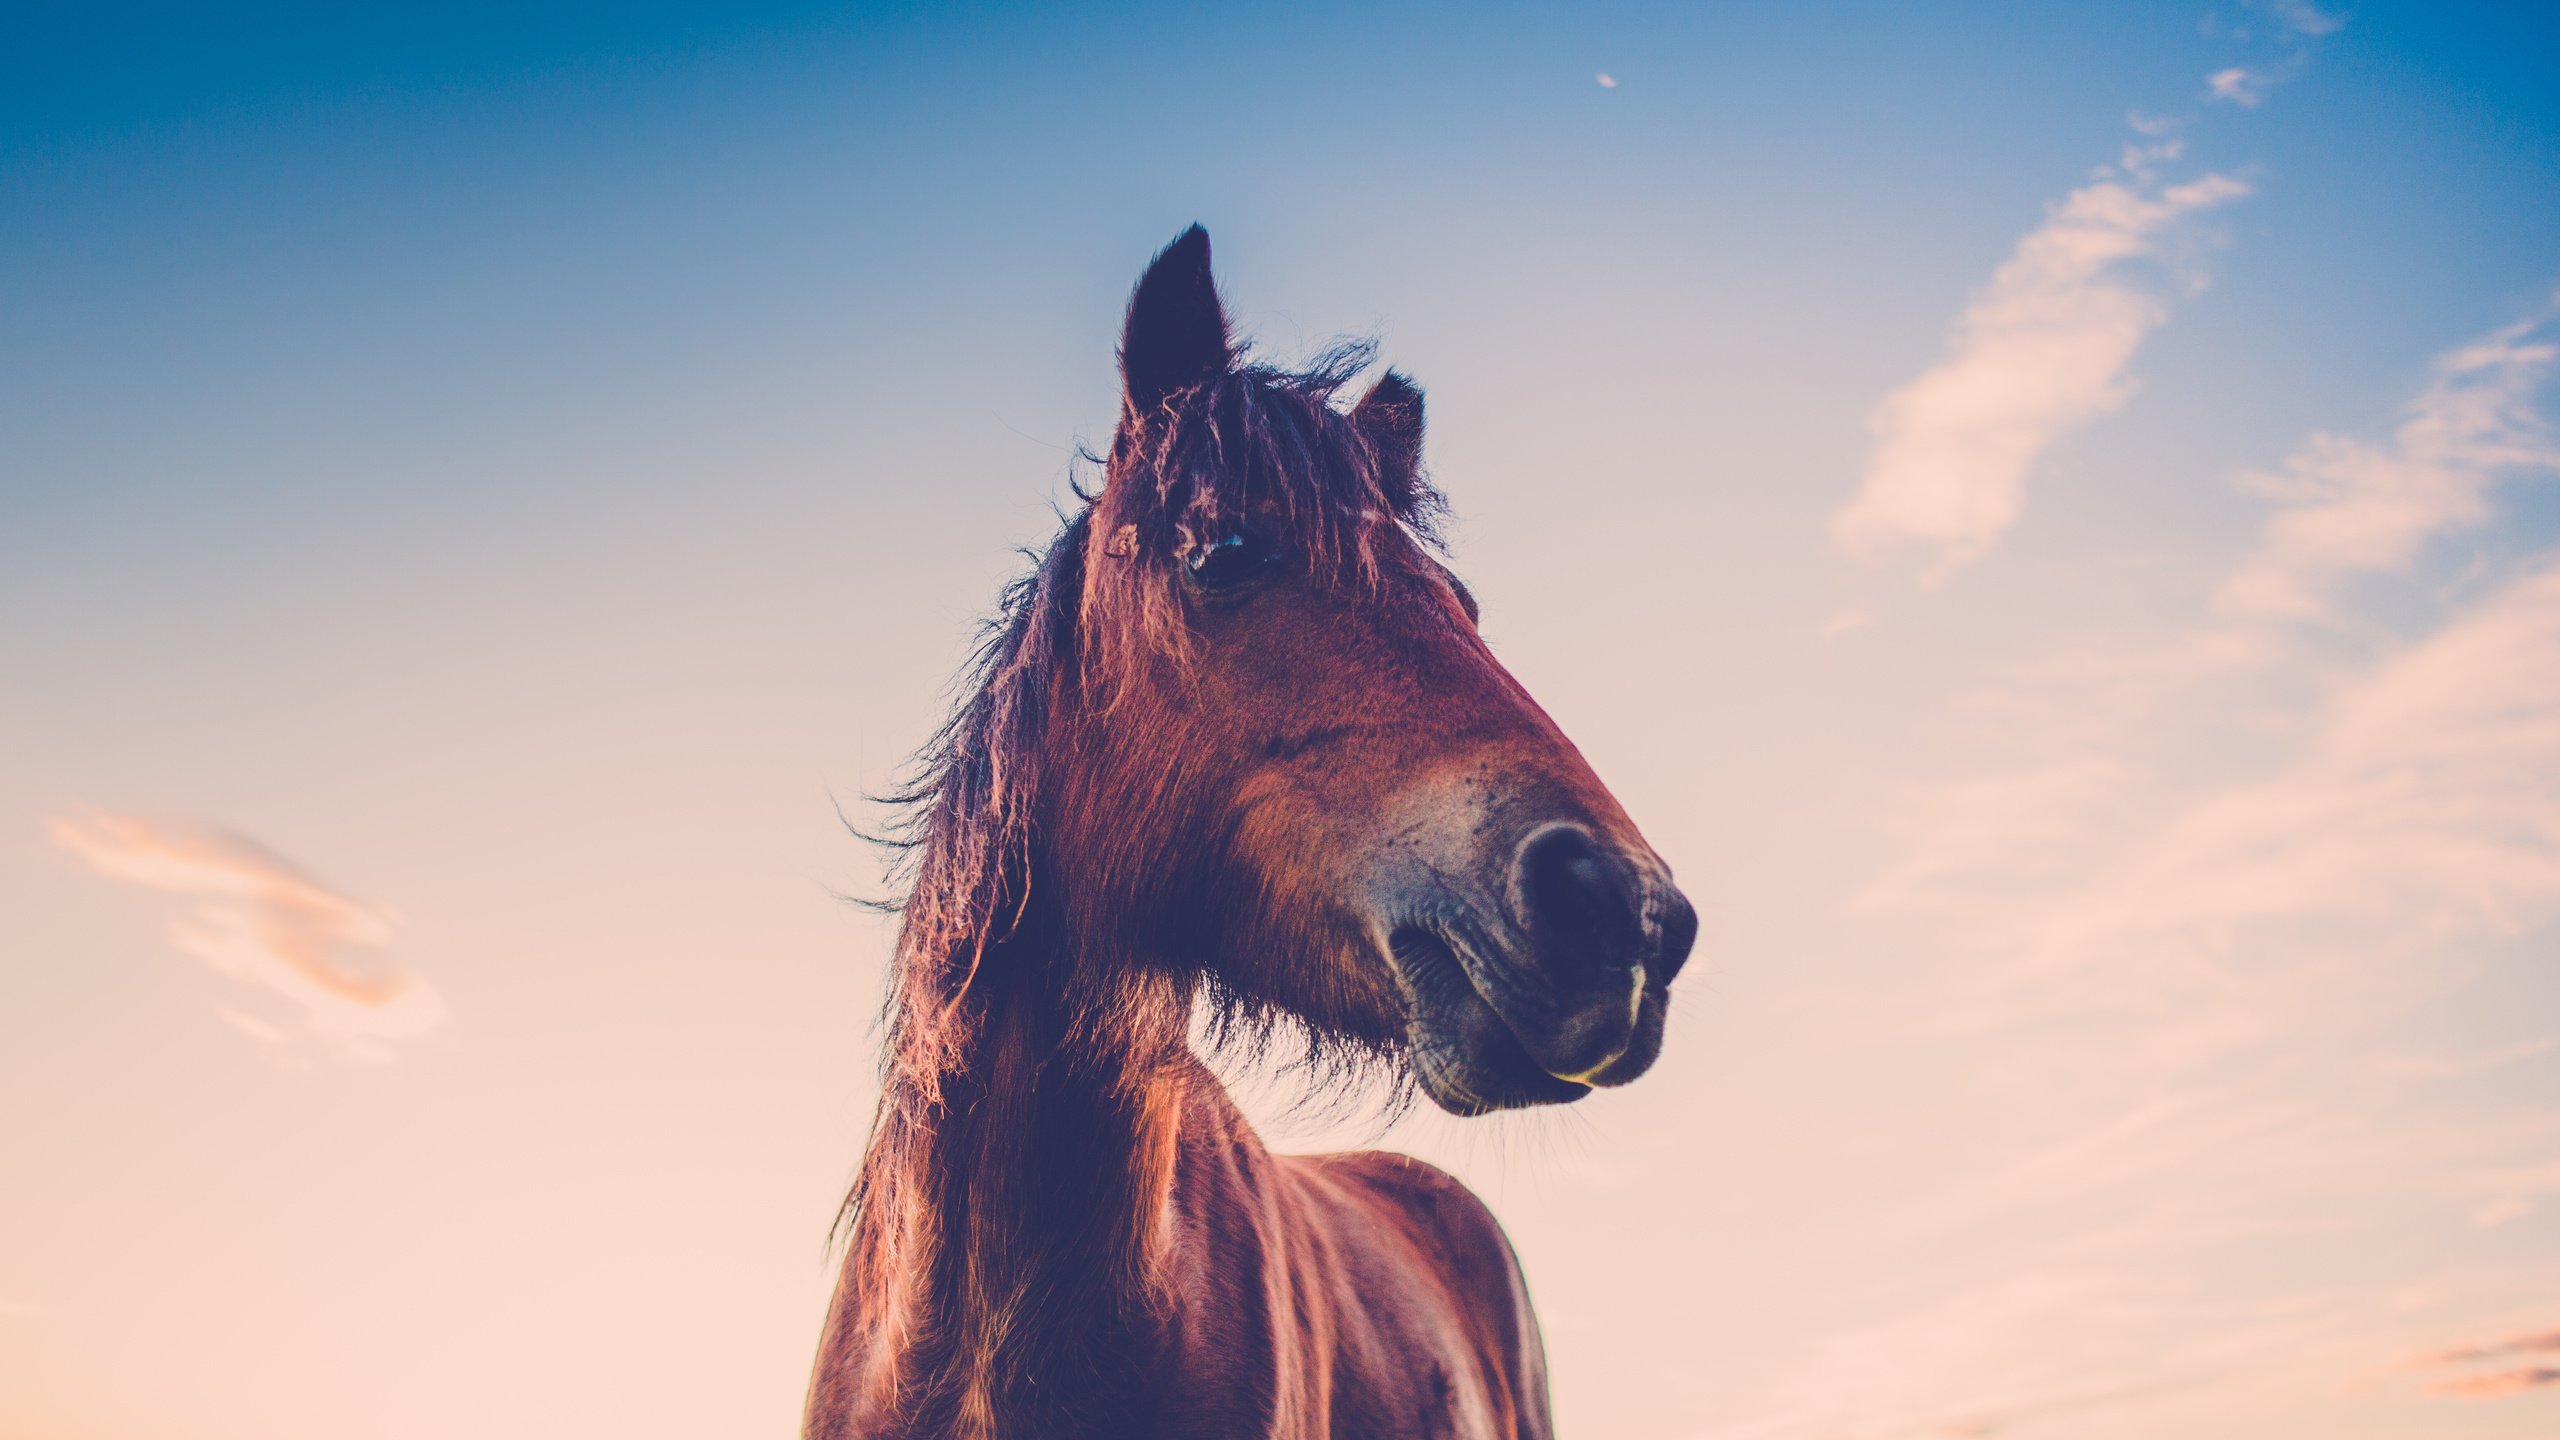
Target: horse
(1233,766)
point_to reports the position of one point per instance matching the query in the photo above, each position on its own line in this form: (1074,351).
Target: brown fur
(1308,803)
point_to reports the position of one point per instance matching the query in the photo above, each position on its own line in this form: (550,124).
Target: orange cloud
(2502,1382)
(2536,1343)
(266,922)
(2490,1384)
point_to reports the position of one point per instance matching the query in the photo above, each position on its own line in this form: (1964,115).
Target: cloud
(2351,505)
(2247,85)
(2422,793)
(2498,1383)
(2303,18)
(2427,806)
(2217,869)
(2534,1343)
(2205,912)
(265,922)
(2043,350)
(2491,1384)
(2239,85)
(2510,1192)
(2040,353)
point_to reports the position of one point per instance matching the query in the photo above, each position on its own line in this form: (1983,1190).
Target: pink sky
(2096,669)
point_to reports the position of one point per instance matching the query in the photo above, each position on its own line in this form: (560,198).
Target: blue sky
(488,481)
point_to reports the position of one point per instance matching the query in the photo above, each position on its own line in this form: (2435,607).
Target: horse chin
(1468,1059)
(1644,1046)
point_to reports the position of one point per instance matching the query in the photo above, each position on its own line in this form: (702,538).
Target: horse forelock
(1259,447)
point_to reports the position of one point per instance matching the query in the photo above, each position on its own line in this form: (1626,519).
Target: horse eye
(1232,561)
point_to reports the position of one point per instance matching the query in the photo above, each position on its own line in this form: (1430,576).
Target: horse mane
(1257,444)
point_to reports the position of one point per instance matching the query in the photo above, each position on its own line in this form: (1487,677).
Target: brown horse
(1235,752)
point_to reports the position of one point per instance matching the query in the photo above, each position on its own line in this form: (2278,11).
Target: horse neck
(1059,1124)
(1036,1199)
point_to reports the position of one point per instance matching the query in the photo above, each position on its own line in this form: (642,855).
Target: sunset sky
(2052,527)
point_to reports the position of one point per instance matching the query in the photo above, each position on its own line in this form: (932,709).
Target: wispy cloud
(2491,1384)
(2304,18)
(2239,85)
(2502,1382)
(2539,1342)
(2425,808)
(2040,353)
(2045,348)
(2510,1192)
(2352,505)
(2296,25)
(2213,867)
(2425,789)
(264,921)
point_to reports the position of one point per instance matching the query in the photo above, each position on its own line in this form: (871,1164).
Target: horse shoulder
(1425,1275)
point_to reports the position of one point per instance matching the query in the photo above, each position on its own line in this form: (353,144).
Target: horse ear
(1391,416)
(1176,335)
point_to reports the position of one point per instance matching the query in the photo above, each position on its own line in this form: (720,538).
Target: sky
(2047,520)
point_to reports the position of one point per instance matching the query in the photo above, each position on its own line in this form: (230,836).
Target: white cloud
(264,922)
(2044,349)
(2427,807)
(2350,505)
(2180,926)
(2296,22)
(2037,355)
(2239,85)
(2423,792)
(2304,18)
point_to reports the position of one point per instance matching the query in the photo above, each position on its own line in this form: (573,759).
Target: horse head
(1288,764)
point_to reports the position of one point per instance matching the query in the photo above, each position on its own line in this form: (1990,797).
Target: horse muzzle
(1556,981)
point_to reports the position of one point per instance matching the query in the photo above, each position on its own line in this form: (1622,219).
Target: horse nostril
(1580,896)
(1679,933)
